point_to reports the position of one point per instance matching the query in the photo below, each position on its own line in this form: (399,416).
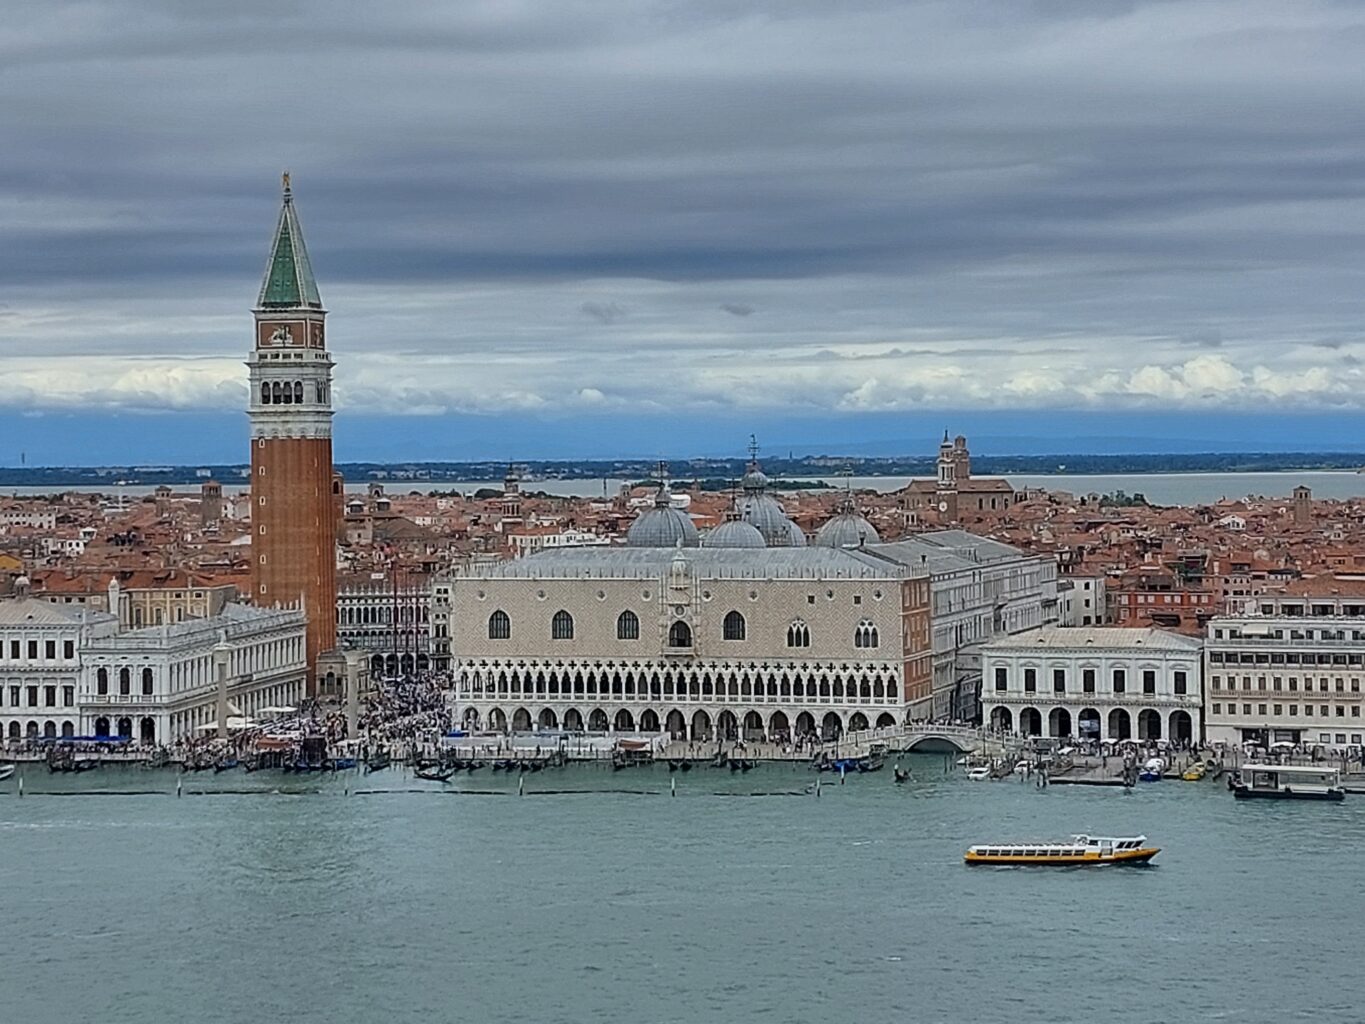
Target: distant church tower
(1303,506)
(293,509)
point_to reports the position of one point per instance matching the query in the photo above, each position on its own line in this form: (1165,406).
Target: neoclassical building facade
(158,684)
(1103,684)
(693,643)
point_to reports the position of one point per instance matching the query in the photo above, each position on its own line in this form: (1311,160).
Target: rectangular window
(1030,680)
(1341,711)
(1088,680)
(50,650)
(1120,680)
(32,696)
(33,650)
(68,649)
(1246,709)
(1002,679)
(14,696)
(1181,684)
(68,696)
(1279,709)
(1218,709)
(1058,680)
(1293,711)
(1260,709)
(49,696)
(1148,681)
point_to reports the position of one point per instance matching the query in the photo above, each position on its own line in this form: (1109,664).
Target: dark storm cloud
(1029,204)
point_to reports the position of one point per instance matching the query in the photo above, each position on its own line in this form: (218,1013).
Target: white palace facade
(693,642)
(158,684)
(1095,683)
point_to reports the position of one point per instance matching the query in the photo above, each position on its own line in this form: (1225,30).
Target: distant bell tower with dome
(293,488)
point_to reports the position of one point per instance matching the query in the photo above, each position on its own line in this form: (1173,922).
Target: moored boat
(1081,851)
(1287,782)
(6,771)
(1152,770)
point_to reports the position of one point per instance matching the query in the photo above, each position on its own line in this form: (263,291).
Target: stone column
(221,655)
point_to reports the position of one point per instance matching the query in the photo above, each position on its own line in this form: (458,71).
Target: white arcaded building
(41,647)
(1094,683)
(691,641)
(158,684)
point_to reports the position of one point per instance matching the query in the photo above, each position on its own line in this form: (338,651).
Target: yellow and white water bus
(1081,850)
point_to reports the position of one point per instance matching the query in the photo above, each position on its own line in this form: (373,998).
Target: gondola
(224,764)
(673,765)
(377,763)
(341,764)
(435,774)
(474,766)
(902,776)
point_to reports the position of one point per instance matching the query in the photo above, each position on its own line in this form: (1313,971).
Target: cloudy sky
(588,227)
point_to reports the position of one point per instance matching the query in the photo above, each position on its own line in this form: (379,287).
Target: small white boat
(1152,770)
(1287,782)
(6,771)
(980,774)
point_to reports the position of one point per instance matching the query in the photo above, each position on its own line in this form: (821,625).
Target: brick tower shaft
(293,506)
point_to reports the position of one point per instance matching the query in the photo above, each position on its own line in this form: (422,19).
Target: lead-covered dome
(734,533)
(663,526)
(846,530)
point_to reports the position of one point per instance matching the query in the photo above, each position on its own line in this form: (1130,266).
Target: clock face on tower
(943,506)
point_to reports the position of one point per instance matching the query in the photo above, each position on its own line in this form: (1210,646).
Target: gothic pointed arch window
(680,635)
(798,634)
(627,626)
(866,634)
(298,392)
(561,626)
(499,626)
(319,392)
(265,393)
(276,393)
(733,628)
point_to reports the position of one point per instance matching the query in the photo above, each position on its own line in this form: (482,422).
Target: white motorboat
(6,771)
(979,774)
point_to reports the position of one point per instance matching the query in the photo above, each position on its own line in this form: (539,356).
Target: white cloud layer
(581,206)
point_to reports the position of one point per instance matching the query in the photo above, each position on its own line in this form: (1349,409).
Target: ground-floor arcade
(1098,722)
(682,722)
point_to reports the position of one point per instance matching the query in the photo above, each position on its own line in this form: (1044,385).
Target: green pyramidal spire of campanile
(289,282)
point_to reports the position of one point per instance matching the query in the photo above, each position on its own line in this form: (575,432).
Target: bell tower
(293,517)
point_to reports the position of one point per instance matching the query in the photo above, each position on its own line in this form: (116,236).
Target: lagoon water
(265,899)
(1158,488)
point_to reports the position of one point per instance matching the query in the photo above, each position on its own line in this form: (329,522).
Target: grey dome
(755,481)
(846,530)
(766,515)
(734,533)
(663,526)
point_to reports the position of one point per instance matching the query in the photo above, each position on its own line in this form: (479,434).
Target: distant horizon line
(1356,457)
